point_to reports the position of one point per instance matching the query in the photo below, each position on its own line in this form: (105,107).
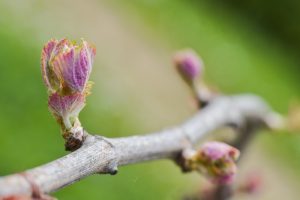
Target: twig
(104,155)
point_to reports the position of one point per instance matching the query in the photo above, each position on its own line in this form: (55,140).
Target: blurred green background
(246,47)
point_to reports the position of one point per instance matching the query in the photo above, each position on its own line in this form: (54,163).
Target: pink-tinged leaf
(51,74)
(69,105)
(75,65)
(60,47)
(78,74)
(45,59)
(63,61)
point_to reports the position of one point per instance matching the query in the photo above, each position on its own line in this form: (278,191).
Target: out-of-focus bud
(217,161)
(188,64)
(66,68)
(252,184)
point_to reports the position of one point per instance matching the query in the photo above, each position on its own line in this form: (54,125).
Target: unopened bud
(188,64)
(217,161)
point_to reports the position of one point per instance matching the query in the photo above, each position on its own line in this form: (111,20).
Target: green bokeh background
(239,55)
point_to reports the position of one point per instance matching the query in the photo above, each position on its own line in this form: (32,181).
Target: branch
(103,155)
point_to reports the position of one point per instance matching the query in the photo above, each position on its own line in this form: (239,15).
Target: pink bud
(218,150)
(67,66)
(188,64)
(218,160)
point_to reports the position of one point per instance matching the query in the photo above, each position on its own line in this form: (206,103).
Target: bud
(217,161)
(66,68)
(188,64)
(252,184)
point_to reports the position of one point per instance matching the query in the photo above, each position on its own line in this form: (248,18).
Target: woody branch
(104,155)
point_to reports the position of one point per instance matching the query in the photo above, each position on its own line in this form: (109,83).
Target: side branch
(104,155)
